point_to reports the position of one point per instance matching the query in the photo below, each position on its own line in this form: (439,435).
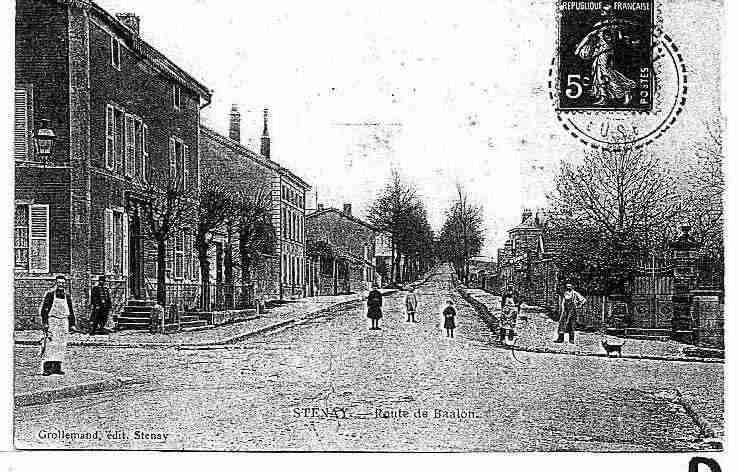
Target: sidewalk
(32,388)
(291,313)
(536,332)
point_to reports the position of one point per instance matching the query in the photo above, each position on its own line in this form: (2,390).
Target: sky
(450,92)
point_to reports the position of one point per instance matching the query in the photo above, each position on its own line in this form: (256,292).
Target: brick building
(342,249)
(122,112)
(281,273)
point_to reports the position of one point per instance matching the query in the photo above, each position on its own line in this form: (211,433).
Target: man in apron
(57,318)
(570,303)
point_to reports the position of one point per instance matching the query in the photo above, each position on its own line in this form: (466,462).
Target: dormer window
(115,52)
(177,97)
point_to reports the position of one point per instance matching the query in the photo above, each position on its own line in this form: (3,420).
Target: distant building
(383,259)
(341,249)
(121,112)
(480,267)
(280,274)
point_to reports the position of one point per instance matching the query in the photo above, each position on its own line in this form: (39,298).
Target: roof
(336,210)
(155,58)
(239,148)
(254,156)
(530,222)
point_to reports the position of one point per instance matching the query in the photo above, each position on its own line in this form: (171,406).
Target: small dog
(613,348)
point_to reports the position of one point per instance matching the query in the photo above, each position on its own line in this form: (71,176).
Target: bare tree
(462,234)
(215,206)
(612,204)
(170,207)
(706,184)
(256,236)
(391,212)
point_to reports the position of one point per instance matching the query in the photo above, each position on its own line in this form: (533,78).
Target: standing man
(411,304)
(101,305)
(510,307)
(374,307)
(570,303)
(57,318)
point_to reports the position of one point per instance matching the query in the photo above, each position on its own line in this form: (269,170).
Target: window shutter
(39,238)
(119,139)
(185,165)
(170,255)
(124,226)
(145,155)
(109,136)
(21,124)
(109,260)
(172,159)
(188,255)
(130,144)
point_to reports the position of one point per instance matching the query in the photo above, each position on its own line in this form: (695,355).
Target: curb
(706,430)
(534,350)
(273,327)
(48,396)
(220,342)
(491,321)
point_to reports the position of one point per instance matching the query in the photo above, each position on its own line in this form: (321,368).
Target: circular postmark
(610,128)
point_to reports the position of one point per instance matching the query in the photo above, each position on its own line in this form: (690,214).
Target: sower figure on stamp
(101,305)
(570,303)
(411,305)
(374,307)
(57,318)
(449,318)
(510,306)
(599,47)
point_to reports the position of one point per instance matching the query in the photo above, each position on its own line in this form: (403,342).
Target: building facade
(279,274)
(341,251)
(122,114)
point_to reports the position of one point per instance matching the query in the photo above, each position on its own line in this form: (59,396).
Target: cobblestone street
(333,384)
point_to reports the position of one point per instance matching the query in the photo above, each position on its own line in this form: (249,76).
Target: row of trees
(618,207)
(399,213)
(462,233)
(241,214)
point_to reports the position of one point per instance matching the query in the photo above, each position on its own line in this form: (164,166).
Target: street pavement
(332,384)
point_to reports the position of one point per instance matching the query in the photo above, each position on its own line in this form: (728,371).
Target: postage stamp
(605,55)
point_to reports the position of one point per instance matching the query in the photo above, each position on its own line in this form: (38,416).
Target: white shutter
(172,159)
(185,165)
(124,226)
(38,251)
(130,144)
(21,124)
(109,244)
(145,155)
(170,255)
(188,256)
(109,136)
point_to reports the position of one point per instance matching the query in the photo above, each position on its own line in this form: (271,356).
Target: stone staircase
(136,315)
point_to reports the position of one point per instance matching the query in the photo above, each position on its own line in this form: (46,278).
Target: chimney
(131,21)
(265,142)
(526,214)
(234,132)
(347,209)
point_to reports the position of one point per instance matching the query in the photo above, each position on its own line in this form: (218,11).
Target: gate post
(685,250)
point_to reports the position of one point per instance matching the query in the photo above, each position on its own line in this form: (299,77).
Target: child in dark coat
(449,318)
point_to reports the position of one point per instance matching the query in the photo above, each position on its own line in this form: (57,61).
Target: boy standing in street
(411,305)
